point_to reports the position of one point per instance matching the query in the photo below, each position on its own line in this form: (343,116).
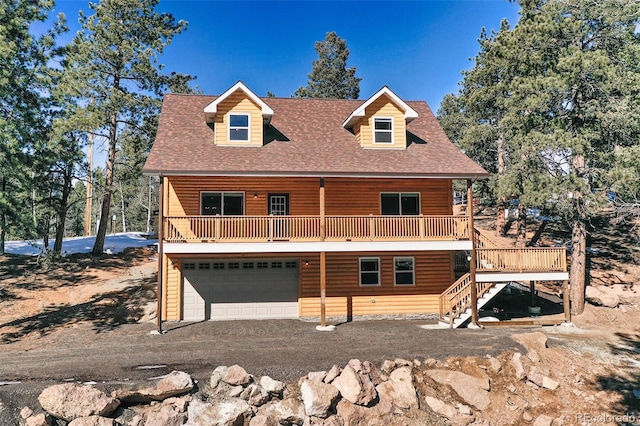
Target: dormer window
(239,127)
(383,130)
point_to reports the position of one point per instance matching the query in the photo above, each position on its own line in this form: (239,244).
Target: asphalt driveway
(283,349)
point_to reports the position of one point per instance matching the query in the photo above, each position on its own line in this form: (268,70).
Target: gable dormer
(381,121)
(238,117)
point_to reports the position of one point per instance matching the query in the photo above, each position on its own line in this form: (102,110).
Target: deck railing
(539,259)
(307,228)
(457,298)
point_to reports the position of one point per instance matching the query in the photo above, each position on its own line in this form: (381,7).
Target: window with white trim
(403,204)
(404,270)
(239,127)
(369,271)
(222,203)
(382,130)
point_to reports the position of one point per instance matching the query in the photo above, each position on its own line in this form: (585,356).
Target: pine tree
(113,73)
(569,103)
(330,77)
(24,108)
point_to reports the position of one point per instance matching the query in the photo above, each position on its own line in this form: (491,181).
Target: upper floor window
(222,203)
(383,130)
(404,203)
(238,127)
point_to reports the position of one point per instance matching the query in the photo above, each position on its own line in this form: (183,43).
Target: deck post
(565,299)
(160,252)
(323,270)
(532,290)
(472,265)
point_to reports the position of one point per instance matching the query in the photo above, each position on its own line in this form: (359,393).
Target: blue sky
(417,48)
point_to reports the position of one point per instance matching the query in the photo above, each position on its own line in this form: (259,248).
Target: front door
(279,206)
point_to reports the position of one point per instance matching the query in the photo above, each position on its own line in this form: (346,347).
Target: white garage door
(240,289)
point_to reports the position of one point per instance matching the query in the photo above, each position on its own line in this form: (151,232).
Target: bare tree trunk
(98,246)
(124,220)
(521,236)
(501,220)
(3,220)
(62,209)
(577,274)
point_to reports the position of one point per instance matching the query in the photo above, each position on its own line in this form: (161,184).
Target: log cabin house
(293,208)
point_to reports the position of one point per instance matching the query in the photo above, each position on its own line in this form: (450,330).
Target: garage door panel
(242,291)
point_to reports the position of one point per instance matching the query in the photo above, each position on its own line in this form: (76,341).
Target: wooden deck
(315,228)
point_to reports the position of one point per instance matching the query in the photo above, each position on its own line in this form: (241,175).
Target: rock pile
(398,392)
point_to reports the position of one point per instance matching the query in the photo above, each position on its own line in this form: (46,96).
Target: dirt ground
(81,318)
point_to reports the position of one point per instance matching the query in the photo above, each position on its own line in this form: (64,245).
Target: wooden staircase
(455,302)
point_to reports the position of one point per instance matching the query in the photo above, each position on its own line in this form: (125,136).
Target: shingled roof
(305,138)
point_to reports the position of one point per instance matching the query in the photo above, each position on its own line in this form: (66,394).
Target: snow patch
(113,243)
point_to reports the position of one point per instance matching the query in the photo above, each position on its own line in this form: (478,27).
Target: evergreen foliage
(25,108)
(560,92)
(113,76)
(330,77)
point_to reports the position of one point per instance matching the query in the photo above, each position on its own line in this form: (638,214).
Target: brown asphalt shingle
(306,137)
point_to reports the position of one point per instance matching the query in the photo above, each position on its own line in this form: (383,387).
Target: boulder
(69,401)
(600,297)
(217,375)
(441,408)
(356,388)
(272,386)
(261,420)
(165,415)
(286,411)
(255,395)
(332,374)
(317,376)
(518,367)
(173,384)
(233,412)
(388,366)
(25,413)
(96,421)
(473,390)
(318,397)
(236,375)
(38,420)
(399,389)
(543,420)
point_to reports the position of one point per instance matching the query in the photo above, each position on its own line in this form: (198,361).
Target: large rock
(286,411)
(318,397)
(165,415)
(95,421)
(354,387)
(535,341)
(237,375)
(350,414)
(217,375)
(261,420)
(272,386)
(441,407)
(174,384)
(516,361)
(69,401)
(473,390)
(399,389)
(600,296)
(38,420)
(233,412)
(255,395)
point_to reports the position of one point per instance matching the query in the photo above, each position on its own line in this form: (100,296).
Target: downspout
(160,251)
